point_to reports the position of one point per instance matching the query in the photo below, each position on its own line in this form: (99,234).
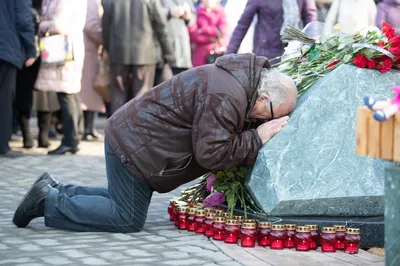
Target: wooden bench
(377,139)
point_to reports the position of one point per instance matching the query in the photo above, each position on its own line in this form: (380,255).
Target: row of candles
(220,226)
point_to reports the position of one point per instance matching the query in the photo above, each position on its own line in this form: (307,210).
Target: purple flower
(214,199)
(210,181)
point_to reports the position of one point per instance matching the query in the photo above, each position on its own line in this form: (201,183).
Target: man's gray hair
(276,85)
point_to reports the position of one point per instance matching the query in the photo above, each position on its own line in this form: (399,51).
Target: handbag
(56,49)
(213,54)
(102,82)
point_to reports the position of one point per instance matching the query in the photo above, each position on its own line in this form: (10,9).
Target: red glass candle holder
(264,230)
(276,236)
(218,228)
(352,240)
(208,224)
(182,218)
(171,208)
(314,236)
(248,235)
(231,231)
(239,219)
(290,236)
(200,217)
(191,223)
(328,239)
(303,238)
(340,234)
(178,205)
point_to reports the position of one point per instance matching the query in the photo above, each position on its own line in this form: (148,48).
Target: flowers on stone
(332,64)
(360,61)
(210,181)
(214,199)
(384,64)
(388,30)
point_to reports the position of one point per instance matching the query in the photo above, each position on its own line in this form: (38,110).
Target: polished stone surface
(310,168)
(392,216)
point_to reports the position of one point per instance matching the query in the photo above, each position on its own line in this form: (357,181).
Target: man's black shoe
(48,178)
(32,204)
(63,150)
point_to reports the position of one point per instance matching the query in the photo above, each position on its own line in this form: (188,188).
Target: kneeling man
(199,121)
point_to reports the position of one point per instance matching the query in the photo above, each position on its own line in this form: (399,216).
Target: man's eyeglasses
(272,111)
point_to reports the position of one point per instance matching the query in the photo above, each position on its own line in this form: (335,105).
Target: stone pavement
(158,244)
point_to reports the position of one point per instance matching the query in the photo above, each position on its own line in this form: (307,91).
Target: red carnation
(388,30)
(371,64)
(384,64)
(380,44)
(360,61)
(395,41)
(395,50)
(334,63)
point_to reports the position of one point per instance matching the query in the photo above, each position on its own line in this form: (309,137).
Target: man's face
(264,109)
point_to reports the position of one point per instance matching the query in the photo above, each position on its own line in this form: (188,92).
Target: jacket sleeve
(92,27)
(309,12)
(380,15)
(25,27)
(332,16)
(61,21)
(217,145)
(197,35)
(106,22)
(242,26)
(159,22)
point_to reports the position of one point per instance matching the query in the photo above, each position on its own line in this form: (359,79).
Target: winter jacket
(17,41)
(389,11)
(191,124)
(130,31)
(211,25)
(267,39)
(342,12)
(57,17)
(179,34)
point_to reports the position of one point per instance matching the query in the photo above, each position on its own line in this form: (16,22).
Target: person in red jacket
(209,32)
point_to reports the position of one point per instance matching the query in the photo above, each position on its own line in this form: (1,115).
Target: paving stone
(109,255)
(94,261)
(123,237)
(3,246)
(184,262)
(138,253)
(191,249)
(29,247)
(74,253)
(56,260)
(12,261)
(175,254)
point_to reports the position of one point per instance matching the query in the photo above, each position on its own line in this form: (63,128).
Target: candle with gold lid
(328,239)
(303,238)
(219,213)
(208,224)
(264,230)
(182,218)
(231,232)
(218,228)
(250,221)
(352,240)
(290,235)
(314,236)
(191,219)
(208,209)
(199,205)
(340,235)
(239,219)
(277,235)
(200,217)
(248,235)
(171,208)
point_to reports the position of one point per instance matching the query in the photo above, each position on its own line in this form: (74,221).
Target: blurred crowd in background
(122,48)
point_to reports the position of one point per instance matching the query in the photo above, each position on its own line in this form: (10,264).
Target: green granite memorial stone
(310,168)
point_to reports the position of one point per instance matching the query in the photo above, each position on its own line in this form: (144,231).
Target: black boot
(23,119)
(44,119)
(32,205)
(90,132)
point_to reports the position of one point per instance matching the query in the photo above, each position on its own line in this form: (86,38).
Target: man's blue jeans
(120,208)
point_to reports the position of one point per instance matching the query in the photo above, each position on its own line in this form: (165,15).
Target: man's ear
(262,97)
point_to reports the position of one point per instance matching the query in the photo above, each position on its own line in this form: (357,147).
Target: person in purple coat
(273,16)
(389,11)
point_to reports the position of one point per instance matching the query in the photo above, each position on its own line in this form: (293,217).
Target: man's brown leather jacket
(191,124)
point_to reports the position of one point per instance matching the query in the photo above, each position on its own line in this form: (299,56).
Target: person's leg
(119,86)
(143,78)
(72,190)
(43,120)
(23,117)
(70,113)
(8,75)
(125,211)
